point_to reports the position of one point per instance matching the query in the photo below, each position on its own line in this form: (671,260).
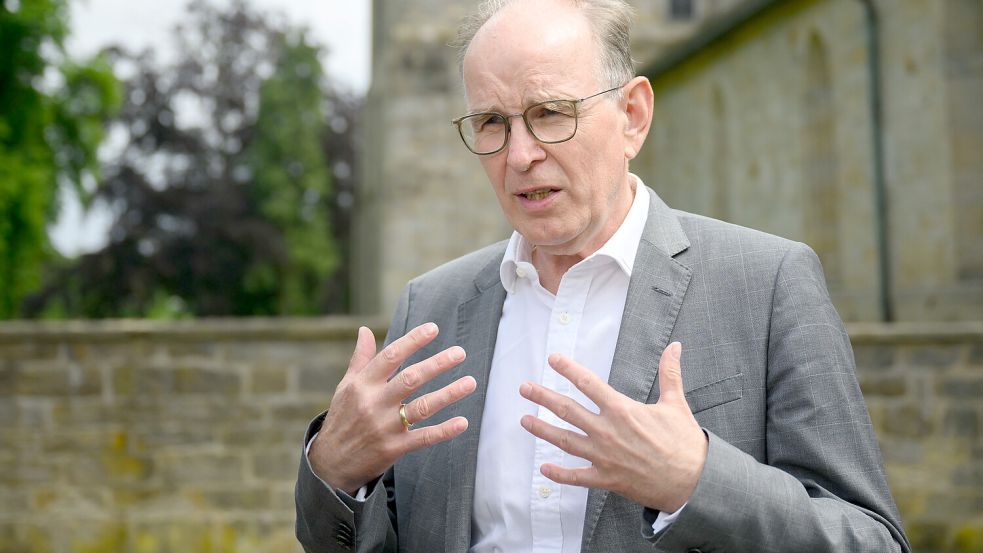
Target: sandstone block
(874,357)
(976,355)
(279,465)
(963,422)
(890,386)
(908,421)
(961,387)
(236,498)
(196,380)
(200,468)
(934,357)
(268,380)
(320,378)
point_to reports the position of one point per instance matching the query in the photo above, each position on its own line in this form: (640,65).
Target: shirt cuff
(362,493)
(664,520)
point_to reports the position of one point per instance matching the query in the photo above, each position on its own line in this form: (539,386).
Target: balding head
(609,21)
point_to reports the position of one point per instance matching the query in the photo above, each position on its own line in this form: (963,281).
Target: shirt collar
(620,248)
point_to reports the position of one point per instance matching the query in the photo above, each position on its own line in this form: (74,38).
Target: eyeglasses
(549,122)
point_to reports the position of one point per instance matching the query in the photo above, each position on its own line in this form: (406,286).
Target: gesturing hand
(363,433)
(652,454)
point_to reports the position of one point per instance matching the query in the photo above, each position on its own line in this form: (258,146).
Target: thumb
(671,376)
(364,349)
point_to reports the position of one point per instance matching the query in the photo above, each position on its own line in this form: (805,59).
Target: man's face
(543,50)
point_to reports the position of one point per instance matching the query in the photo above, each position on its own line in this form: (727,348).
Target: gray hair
(610,21)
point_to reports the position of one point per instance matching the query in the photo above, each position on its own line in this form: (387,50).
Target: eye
(487,122)
(559,108)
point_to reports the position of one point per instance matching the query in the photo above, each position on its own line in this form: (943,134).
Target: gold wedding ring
(402,416)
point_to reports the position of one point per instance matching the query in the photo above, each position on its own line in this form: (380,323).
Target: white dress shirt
(516,508)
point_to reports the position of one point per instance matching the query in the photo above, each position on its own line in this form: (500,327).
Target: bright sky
(344,26)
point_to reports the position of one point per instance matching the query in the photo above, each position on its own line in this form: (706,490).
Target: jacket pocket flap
(716,393)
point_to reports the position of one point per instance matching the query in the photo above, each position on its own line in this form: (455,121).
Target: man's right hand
(363,434)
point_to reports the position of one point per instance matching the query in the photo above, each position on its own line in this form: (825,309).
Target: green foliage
(82,107)
(291,180)
(51,123)
(235,212)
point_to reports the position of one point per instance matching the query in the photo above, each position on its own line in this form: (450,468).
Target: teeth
(538,194)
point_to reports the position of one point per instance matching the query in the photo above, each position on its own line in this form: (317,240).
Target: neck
(552,265)
(551,268)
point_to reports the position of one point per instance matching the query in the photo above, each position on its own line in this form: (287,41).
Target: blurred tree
(291,179)
(52,116)
(222,191)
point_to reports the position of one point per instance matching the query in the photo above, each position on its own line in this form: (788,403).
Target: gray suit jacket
(793,464)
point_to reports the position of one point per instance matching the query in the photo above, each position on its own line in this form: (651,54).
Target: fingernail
(456,353)
(461,425)
(429,329)
(525,389)
(675,349)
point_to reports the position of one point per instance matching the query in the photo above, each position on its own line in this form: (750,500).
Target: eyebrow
(484,109)
(532,101)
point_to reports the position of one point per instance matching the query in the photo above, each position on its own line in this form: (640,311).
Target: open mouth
(540,194)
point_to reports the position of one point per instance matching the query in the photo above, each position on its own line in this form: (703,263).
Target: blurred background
(200,202)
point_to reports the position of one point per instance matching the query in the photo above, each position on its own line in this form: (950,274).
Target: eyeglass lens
(550,122)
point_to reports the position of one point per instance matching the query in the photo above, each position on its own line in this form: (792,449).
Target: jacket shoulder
(478,267)
(715,239)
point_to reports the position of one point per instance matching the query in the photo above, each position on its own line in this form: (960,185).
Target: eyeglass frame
(508,128)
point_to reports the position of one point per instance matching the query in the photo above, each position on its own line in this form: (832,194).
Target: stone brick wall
(184,437)
(924,384)
(159,437)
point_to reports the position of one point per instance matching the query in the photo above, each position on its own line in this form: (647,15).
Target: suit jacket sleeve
(327,523)
(822,487)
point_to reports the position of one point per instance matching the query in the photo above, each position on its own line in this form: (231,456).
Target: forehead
(530,50)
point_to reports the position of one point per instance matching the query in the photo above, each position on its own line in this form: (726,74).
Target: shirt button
(565,318)
(544,492)
(520,272)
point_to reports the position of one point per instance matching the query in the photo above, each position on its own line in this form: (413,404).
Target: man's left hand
(651,454)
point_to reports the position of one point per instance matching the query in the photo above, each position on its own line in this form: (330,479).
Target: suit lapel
(655,295)
(477,329)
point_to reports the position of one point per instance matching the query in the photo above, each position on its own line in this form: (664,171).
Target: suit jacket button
(693,550)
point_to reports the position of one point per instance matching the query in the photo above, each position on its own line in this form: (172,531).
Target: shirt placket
(561,337)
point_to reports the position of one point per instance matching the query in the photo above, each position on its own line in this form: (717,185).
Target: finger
(426,406)
(671,376)
(431,435)
(586,381)
(562,406)
(567,440)
(585,477)
(364,349)
(392,356)
(418,374)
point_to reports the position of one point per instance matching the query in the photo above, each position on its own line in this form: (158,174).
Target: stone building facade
(770,125)
(764,117)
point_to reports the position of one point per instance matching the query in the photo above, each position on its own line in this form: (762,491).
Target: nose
(523,148)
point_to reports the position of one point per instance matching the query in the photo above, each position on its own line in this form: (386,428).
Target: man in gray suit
(618,376)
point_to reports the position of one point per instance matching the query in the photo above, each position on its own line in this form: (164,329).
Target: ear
(639,105)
